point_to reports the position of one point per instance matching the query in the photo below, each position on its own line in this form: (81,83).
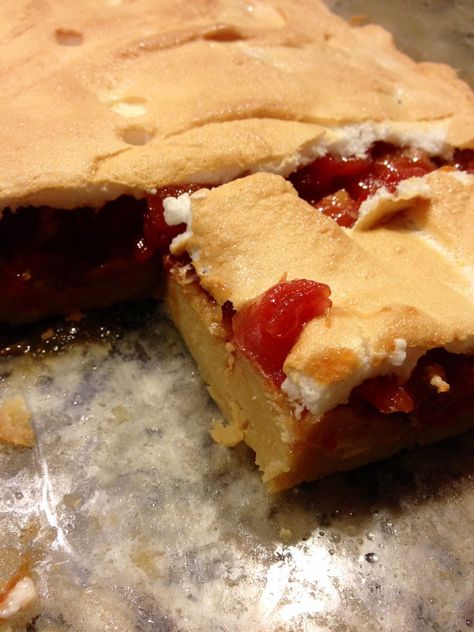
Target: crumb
(120,414)
(147,560)
(286,534)
(30,531)
(437,377)
(71,501)
(20,594)
(439,384)
(15,423)
(227,435)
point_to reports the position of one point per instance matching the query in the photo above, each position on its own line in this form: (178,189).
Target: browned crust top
(101,97)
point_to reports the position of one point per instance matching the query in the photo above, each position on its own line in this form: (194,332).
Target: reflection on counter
(135,520)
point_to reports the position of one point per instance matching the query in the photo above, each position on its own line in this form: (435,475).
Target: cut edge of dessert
(288,449)
(56,261)
(414,392)
(292,447)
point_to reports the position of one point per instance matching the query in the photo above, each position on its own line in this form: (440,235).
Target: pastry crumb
(120,414)
(439,384)
(437,375)
(46,335)
(228,436)
(286,534)
(71,501)
(19,596)
(15,423)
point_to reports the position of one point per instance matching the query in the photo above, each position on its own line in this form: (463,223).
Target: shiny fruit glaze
(73,248)
(464,160)
(56,247)
(433,408)
(419,396)
(62,248)
(266,329)
(387,394)
(337,186)
(340,207)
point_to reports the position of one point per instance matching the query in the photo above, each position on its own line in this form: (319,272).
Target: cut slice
(288,450)
(399,290)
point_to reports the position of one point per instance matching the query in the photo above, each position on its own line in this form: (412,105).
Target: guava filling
(53,260)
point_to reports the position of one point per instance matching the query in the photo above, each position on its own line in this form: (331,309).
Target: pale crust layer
(104,98)
(408,279)
(288,450)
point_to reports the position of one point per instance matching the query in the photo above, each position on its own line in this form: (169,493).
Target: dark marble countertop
(136,521)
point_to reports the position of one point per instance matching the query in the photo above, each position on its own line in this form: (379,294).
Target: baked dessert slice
(126,106)
(328,347)
(128,98)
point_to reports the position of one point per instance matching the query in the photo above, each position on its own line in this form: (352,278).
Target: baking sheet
(134,520)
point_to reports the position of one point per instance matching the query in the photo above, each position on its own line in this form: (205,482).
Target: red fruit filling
(49,259)
(436,408)
(439,390)
(387,394)
(464,160)
(337,186)
(266,329)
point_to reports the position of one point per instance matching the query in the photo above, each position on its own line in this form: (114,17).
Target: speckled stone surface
(134,520)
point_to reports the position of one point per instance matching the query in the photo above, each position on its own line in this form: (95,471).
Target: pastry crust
(130,95)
